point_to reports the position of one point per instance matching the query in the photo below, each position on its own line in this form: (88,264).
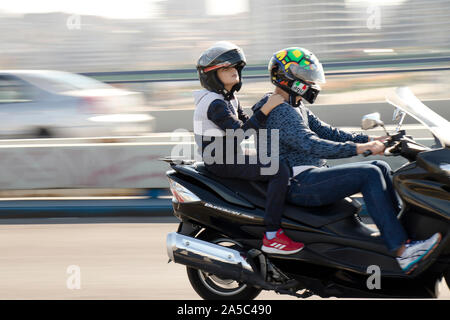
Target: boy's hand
(273,101)
(377,147)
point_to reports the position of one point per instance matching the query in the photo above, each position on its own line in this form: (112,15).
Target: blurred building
(343,29)
(333,29)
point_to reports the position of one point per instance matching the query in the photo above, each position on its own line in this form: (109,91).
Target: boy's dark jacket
(307,142)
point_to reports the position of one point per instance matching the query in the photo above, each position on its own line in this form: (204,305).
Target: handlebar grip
(367,153)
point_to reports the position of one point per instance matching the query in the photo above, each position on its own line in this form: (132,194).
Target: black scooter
(221,229)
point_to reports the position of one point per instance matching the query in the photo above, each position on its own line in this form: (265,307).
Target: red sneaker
(281,244)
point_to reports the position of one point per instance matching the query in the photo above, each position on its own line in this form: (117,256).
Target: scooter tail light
(181,194)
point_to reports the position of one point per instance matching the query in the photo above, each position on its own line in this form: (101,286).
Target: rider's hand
(273,101)
(377,147)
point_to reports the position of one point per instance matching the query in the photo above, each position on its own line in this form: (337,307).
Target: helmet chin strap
(230,94)
(292,100)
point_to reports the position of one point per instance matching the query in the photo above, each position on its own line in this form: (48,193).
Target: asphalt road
(86,258)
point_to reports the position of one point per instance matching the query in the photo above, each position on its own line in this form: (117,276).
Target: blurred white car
(44,103)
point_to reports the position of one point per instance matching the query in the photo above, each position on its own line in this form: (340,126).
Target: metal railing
(426,64)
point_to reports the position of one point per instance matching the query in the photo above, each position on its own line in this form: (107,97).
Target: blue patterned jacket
(307,142)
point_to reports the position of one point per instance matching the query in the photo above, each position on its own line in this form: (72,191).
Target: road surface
(115,258)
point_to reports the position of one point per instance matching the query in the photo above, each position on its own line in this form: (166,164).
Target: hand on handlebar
(393,150)
(370,148)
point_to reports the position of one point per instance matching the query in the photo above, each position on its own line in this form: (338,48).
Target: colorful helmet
(220,55)
(294,70)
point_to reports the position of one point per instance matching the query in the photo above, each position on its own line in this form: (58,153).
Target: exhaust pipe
(221,261)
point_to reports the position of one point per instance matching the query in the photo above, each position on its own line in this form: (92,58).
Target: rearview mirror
(398,114)
(370,121)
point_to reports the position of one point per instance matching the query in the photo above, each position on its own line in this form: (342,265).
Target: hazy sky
(106,8)
(118,9)
(137,9)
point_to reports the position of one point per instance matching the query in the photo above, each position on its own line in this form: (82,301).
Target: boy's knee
(373,172)
(383,165)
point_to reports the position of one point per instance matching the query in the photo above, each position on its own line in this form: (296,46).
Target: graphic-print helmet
(298,72)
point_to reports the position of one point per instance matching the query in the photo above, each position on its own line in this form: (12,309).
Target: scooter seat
(256,193)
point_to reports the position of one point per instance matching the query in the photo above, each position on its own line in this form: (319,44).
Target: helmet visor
(221,52)
(227,59)
(312,71)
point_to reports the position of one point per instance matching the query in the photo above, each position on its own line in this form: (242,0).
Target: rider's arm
(325,131)
(225,118)
(242,115)
(294,132)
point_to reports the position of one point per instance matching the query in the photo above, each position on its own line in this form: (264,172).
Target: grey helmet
(221,54)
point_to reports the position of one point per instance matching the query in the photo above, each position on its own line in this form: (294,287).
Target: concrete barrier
(122,165)
(118,165)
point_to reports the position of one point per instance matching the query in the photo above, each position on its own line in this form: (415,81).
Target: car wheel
(43,133)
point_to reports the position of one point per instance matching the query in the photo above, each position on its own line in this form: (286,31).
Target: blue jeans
(323,186)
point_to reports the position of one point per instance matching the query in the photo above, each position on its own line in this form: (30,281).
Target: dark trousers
(276,189)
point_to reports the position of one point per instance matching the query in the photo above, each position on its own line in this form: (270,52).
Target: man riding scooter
(305,141)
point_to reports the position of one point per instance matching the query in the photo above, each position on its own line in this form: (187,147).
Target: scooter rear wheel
(211,287)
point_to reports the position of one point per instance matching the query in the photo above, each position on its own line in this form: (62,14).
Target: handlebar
(391,141)
(367,153)
(387,143)
(401,145)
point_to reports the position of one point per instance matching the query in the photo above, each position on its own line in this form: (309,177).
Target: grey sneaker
(416,251)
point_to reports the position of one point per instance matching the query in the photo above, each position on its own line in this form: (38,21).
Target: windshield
(439,126)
